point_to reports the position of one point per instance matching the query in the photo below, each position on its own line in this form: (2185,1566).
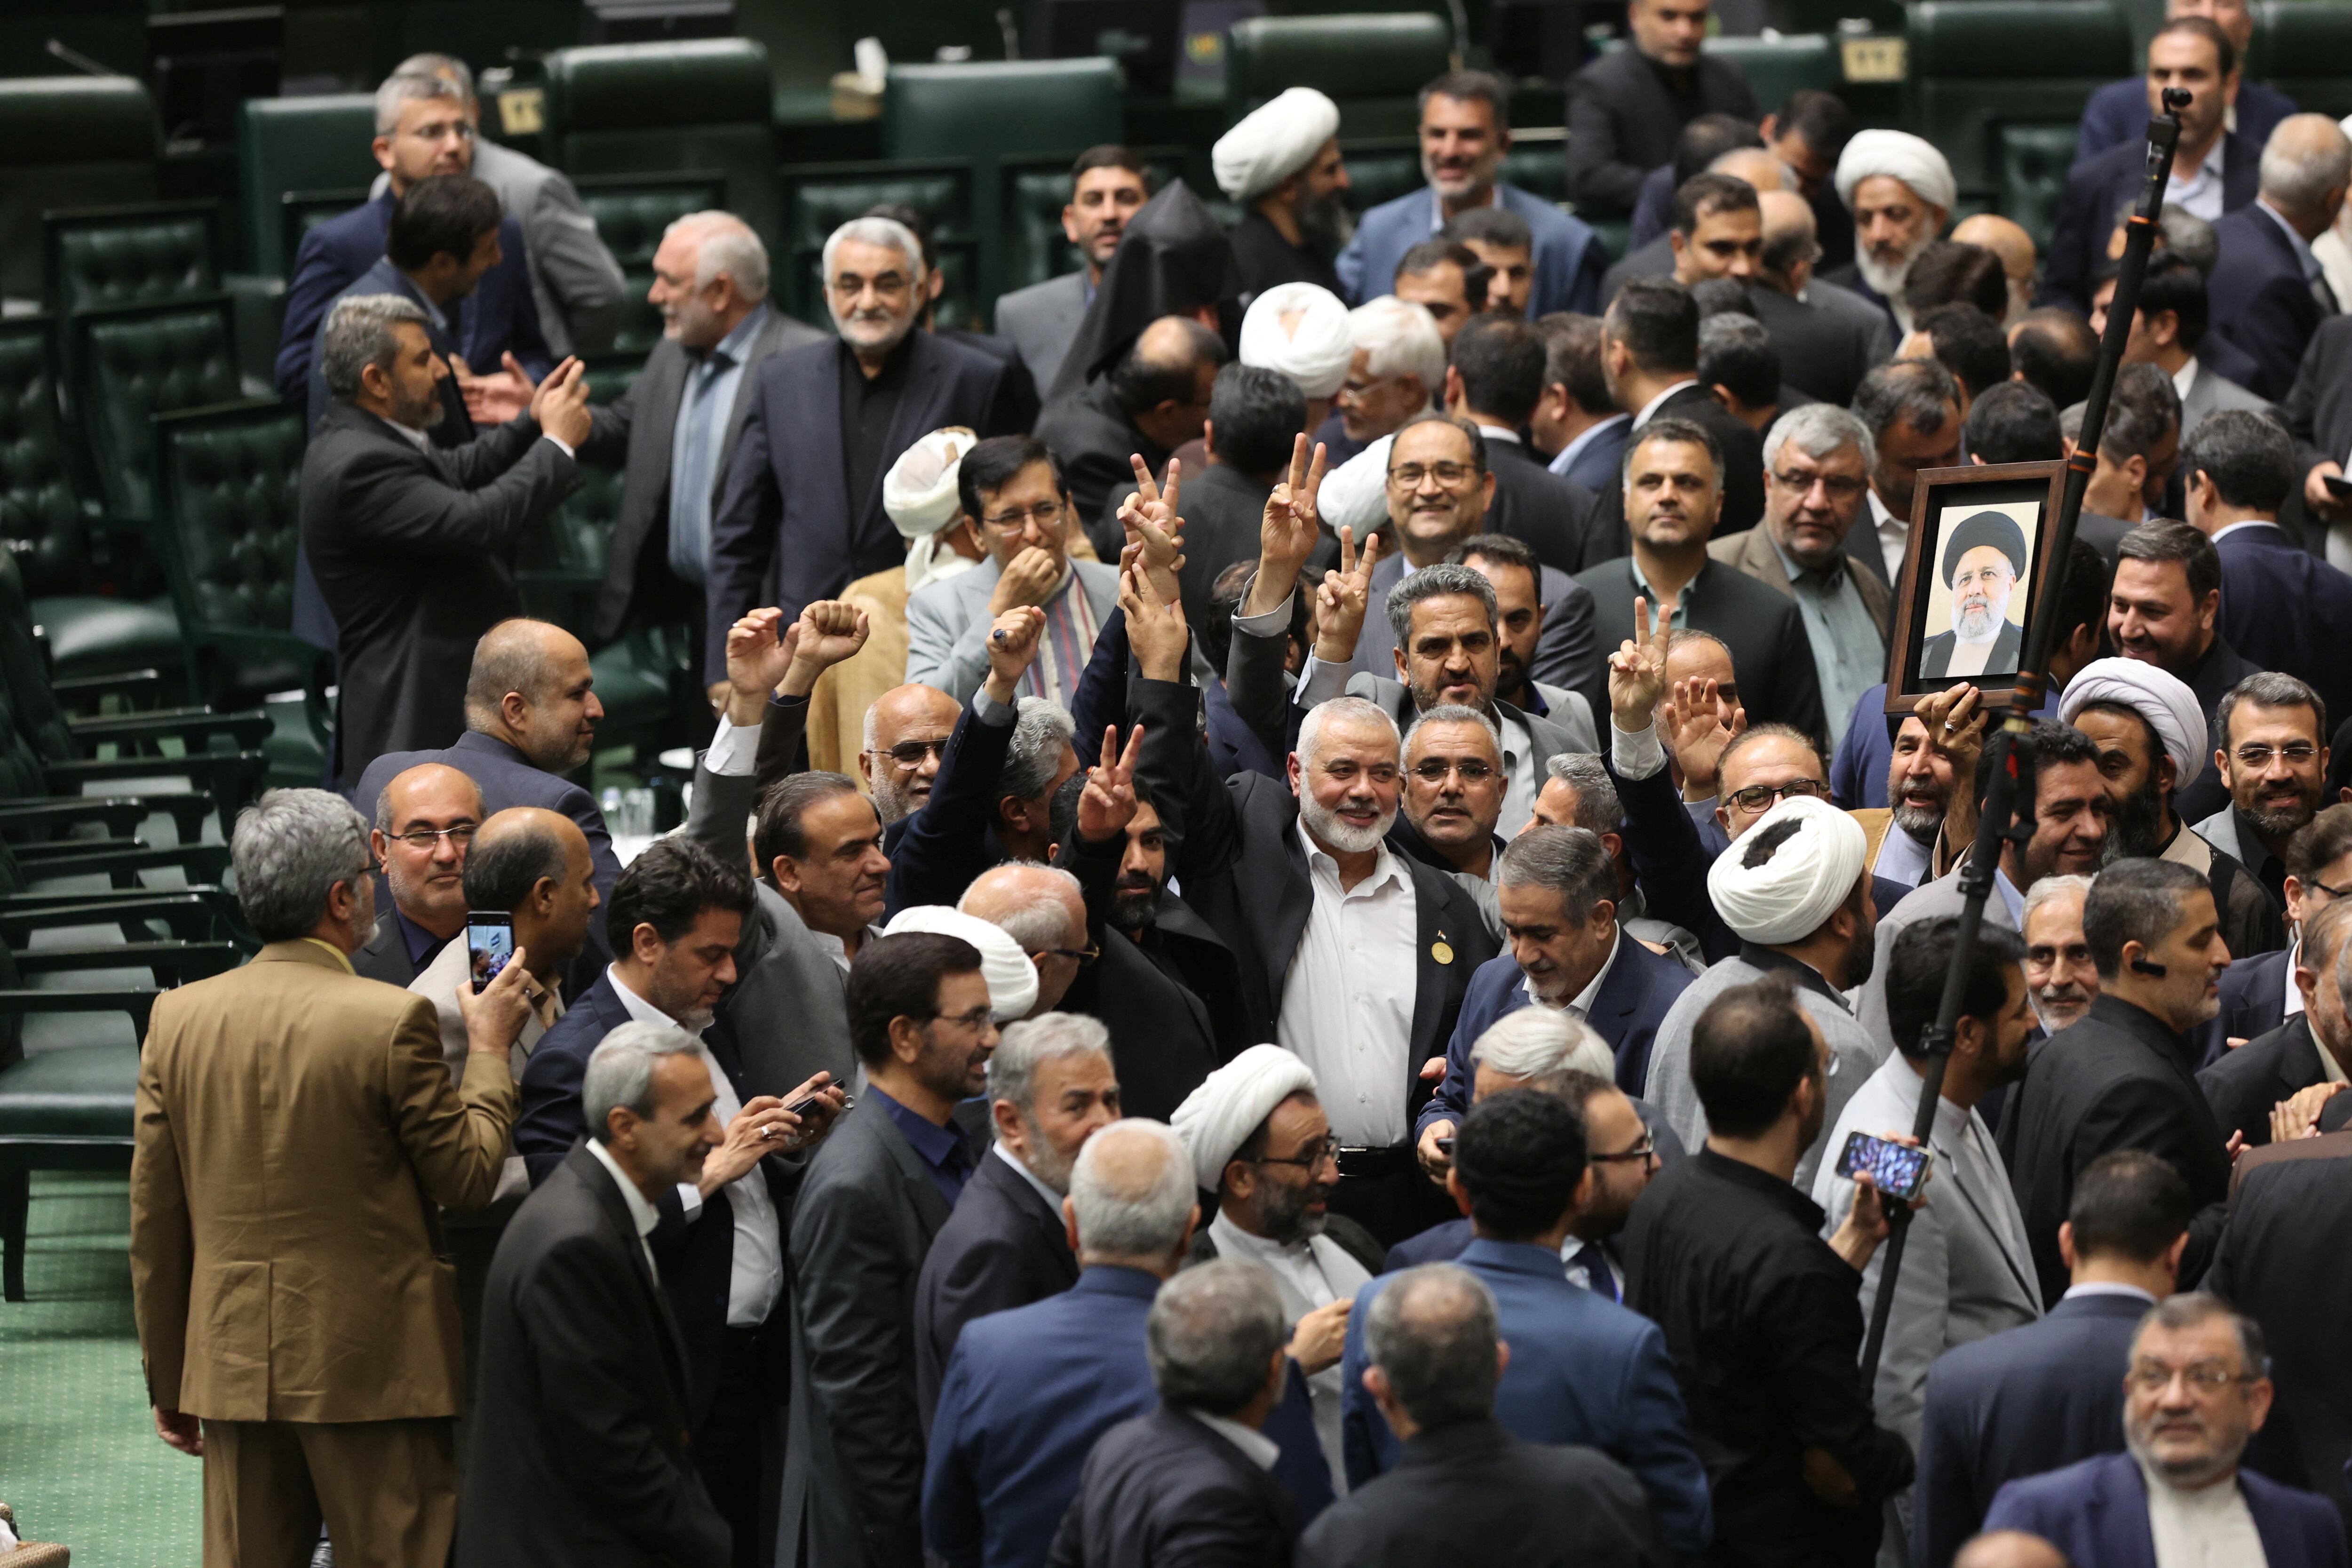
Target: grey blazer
(948,622)
(1043,322)
(789,1007)
(1568,728)
(2212,393)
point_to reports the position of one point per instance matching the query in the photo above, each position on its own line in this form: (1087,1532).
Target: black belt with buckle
(1370,1161)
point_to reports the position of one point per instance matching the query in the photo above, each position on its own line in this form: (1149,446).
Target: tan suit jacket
(1750,551)
(295,1128)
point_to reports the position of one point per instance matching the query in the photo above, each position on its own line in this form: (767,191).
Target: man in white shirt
(1912,410)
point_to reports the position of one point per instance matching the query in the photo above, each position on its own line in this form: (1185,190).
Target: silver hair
(449,65)
(1345,710)
(359,333)
(1124,1219)
(1456,713)
(729,245)
(1040,731)
(1821,430)
(1432,582)
(887,232)
(1431,1330)
(1039,924)
(403,87)
(2299,177)
(290,848)
(1569,861)
(1212,1335)
(1536,1042)
(1397,338)
(621,1072)
(1598,809)
(2050,888)
(1031,1043)
(2190,1308)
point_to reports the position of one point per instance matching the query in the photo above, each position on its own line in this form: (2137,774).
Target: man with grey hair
(673,433)
(1817,465)
(2268,292)
(1436,1357)
(1033,1386)
(1581,794)
(798,512)
(1453,794)
(1042,907)
(585,1399)
(1051,1089)
(1190,1479)
(2058,975)
(298,1124)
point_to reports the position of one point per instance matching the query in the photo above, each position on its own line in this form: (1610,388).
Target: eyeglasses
(1306,1159)
(2205,1380)
(429,838)
(439,129)
(1083,954)
(1841,487)
(1046,512)
(1645,1150)
(972,1022)
(2318,887)
(1433,769)
(2298,753)
(1408,475)
(911,753)
(1759,797)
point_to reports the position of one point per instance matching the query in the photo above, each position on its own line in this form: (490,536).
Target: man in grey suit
(876,1195)
(673,432)
(1011,486)
(1969,1269)
(1107,186)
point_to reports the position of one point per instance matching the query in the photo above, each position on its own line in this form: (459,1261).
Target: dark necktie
(1595,1264)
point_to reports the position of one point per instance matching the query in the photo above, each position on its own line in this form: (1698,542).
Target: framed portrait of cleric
(1977,565)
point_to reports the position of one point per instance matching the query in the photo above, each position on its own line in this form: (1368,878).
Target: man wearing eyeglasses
(2273,760)
(2261,994)
(1013,485)
(424,822)
(1452,793)
(2197,1391)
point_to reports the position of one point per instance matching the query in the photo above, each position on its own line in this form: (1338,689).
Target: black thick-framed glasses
(1759,797)
(1645,1150)
(911,753)
(1306,1159)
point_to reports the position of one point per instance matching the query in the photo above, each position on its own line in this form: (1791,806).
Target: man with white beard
(1900,190)
(2061,981)
(1982,559)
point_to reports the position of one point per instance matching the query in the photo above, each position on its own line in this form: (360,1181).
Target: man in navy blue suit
(2117,112)
(2050,1393)
(1584,1369)
(2196,1392)
(2268,293)
(718,1243)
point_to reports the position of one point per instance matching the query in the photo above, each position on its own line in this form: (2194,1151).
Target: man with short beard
(2058,975)
(1107,189)
(1453,791)
(907,732)
(1281,161)
(2273,754)
(2162,609)
(1900,191)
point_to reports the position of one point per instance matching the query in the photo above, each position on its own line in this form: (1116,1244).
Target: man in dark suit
(1107,187)
(2317,410)
(1828,337)
(1190,1482)
(1033,1384)
(2270,1068)
(1649,353)
(2164,607)
(1912,410)
(2048,1393)
(2268,292)
(1435,1358)
(686,409)
(1254,415)
(2186,52)
(1627,109)
(874,1198)
(1152,400)
(1577,426)
(411,546)
(1675,490)
(2118,112)
(800,513)
(1494,381)
(1051,1089)
(580,1444)
(424,822)
(531,719)
(2119,1079)
(2186,1441)
(2257,992)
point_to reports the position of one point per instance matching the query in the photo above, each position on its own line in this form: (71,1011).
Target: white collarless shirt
(1893,535)
(2209,1528)
(1346,1003)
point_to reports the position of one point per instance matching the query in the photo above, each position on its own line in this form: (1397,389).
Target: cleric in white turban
(1282,161)
(1301,330)
(2158,695)
(1900,191)
(1011,978)
(920,495)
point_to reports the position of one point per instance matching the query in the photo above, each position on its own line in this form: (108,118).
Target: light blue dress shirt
(1849,655)
(696,442)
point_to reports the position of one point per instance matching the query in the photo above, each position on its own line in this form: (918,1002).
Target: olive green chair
(668,109)
(300,162)
(631,215)
(67,141)
(1372,65)
(2304,48)
(1978,67)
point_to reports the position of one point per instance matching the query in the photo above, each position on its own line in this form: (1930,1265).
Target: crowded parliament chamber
(1176,784)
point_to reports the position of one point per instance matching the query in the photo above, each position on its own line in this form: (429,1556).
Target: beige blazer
(1750,551)
(295,1128)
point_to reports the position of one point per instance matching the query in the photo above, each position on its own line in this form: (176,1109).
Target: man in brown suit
(297,1127)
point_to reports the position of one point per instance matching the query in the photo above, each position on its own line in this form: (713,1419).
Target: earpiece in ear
(2143,966)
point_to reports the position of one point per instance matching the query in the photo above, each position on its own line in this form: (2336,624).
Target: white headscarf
(1272,141)
(1907,158)
(1011,978)
(1792,890)
(919,494)
(2161,697)
(1301,330)
(1217,1117)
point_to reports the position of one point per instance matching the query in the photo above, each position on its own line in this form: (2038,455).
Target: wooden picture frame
(2006,510)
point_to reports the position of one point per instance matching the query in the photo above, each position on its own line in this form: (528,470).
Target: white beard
(1888,282)
(1339,836)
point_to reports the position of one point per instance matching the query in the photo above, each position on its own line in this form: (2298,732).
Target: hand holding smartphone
(490,945)
(1898,1170)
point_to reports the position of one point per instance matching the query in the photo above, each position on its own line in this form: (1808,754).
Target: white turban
(1011,978)
(919,490)
(1907,157)
(1807,877)
(1272,141)
(2158,695)
(1217,1117)
(1301,330)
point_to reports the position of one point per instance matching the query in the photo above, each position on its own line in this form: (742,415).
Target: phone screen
(1898,1169)
(489,943)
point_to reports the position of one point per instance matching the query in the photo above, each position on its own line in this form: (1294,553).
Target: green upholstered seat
(1980,65)
(631,215)
(668,108)
(136,362)
(1381,169)
(135,255)
(67,141)
(2304,48)
(83,1094)
(1777,66)
(2033,164)
(820,197)
(1372,65)
(313,151)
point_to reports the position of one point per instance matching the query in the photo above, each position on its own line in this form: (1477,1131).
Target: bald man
(1828,337)
(424,822)
(1152,401)
(531,719)
(1042,909)
(907,732)
(2019,261)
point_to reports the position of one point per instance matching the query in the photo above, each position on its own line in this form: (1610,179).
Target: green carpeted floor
(80,1460)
